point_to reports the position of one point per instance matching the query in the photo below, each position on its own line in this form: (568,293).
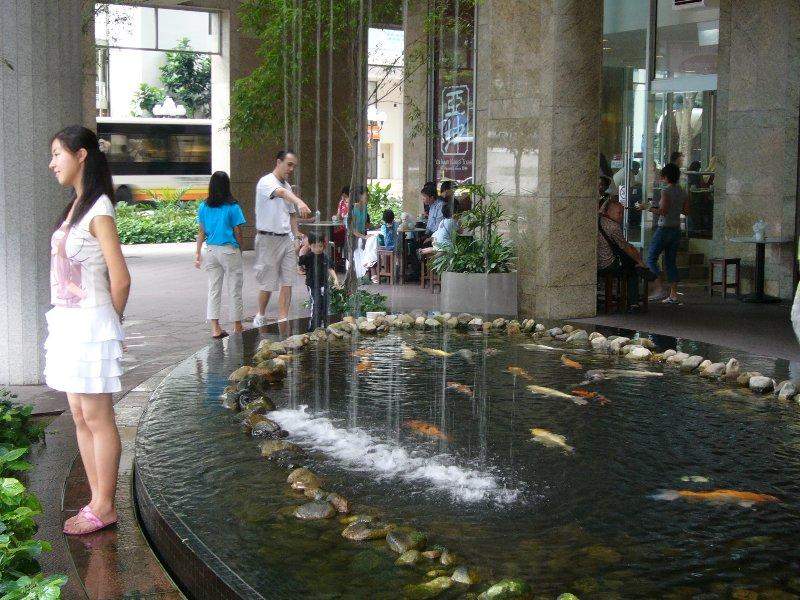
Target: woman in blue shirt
(220,221)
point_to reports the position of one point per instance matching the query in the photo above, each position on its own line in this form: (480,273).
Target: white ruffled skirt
(83,350)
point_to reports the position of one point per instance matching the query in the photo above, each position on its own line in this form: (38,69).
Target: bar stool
(724,263)
(386,265)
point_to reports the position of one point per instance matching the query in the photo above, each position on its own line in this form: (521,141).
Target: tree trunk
(317,128)
(329,174)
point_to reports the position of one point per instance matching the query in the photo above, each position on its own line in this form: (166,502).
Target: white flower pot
(480,293)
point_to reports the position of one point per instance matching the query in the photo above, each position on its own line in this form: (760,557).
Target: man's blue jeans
(666,240)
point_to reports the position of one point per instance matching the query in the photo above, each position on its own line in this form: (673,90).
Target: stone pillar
(41,91)
(539,73)
(415,99)
(757,133)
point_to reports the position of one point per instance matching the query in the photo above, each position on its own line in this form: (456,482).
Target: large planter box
(480,293)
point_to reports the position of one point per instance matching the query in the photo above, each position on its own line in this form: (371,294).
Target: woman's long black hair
(219,190)
(96,177)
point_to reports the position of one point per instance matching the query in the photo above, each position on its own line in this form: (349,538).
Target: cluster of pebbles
(250,385)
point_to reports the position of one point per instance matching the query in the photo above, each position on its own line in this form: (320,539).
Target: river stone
(690,364)
(788,391)
(513,329)
(714,370)
(599,343)
(270,447)
(499,323)
(431,589)
(507,589)
(315,510)
(350,319)
(419,323)
(677,358)
(732,369)
(647,343)
(554,331)
(744,379)
(367,327)
(255,405)
(527,325)
(406,318)
(340,503)
(448,559)
(276,347)
(669,352)
(318,335)
(464,319)
(295,342)
(403,541)
(615,346)
(366,530)
(578,336)
(240,373)
(465,575)
(761,384)
(432,324)
(639,353)
(410,557)
(230,400)
(315,494)
(487,327)
(302,479)
(432,554)
(337,333)
(567,596)
(476,324)
(267,428)
(704,365)
(539,328)
(273,371)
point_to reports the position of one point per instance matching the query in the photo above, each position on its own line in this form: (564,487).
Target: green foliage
(378,200)
(475,255)
(147,97)
(20,578)
(170,221)
(187,78)
(357,304)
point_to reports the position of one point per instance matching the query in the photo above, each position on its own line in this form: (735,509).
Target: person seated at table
(428,197)
(443,236)
(464,203)
(434,218)
(614,254)
(388,230)
(339,234)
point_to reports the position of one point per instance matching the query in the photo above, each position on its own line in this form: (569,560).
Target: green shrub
(20,577)
(169,221)
(357,304)
(378,200)
(146,97)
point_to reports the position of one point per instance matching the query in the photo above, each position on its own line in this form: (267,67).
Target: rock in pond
(316,510)
(303,479)
(267,428)
(677,358)
(432,554)
(295,342)
(744,378)
(760,384)
(367,327)
(448,559)
(419,323)
(340,503)
(499,323)
(508,589)
(578,336)
(788,391)
(465,575)
(431,589)
(639,353)
(714,370)
(513,328)
(464,319)
(274,371)
(732,369)
(403,541)
(408,558)
(432,324)
(567,596)
(240,373)
(254,405)
(270,447)
(690,364)
(476,324)
(366,530)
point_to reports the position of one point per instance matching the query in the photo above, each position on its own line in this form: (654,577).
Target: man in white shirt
(276,218)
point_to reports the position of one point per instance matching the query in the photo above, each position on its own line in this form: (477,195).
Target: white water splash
(357,450)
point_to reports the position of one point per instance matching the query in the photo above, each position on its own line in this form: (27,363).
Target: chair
(618,302)
(386,265)
(724,263)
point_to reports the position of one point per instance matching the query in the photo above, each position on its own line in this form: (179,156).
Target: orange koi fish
(519,372)
(746,499)
(424,428)
(568,362)
(602,400)
(460,387)
(364,366)
(363,352)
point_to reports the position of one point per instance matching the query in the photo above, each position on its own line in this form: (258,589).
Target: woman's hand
(197,261)
(104,229)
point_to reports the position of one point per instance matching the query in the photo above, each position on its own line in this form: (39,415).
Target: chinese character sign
(456,139)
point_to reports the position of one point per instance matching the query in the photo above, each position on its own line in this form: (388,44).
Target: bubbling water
(358,450)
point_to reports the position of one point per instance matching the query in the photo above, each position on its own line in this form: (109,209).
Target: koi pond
(492,454)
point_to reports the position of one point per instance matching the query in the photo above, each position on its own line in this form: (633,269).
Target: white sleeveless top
(78,271)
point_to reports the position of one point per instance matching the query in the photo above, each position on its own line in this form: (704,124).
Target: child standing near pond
(220,221)
(317,268)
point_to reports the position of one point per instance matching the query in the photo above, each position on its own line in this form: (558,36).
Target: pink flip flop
(91,518)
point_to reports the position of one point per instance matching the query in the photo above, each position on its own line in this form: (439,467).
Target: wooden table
(402,249)
(759,297)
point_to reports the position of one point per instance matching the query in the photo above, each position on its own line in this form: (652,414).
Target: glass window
(200,28)
(125,26)
(686,45)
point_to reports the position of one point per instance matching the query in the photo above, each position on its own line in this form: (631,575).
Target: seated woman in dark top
(614,254)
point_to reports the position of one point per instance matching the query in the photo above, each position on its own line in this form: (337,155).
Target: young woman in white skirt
(89,283)
(220,221)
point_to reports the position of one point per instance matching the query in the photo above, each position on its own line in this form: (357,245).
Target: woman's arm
(237,233)
(104,229)
(201,237)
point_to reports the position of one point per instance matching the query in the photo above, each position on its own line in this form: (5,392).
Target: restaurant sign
(456,139)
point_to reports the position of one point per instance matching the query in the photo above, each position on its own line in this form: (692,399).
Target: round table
(758,296)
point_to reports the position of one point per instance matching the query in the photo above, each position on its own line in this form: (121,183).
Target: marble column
(757,133)
(415,98)
(539,74)
(40,93)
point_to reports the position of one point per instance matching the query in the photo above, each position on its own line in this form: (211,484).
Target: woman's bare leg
(85,445)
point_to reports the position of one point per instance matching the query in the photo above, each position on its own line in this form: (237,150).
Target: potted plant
(477,272)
